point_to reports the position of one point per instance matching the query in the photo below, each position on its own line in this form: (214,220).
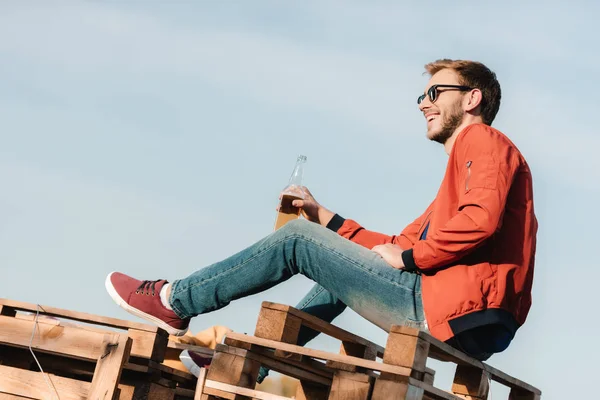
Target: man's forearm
(325,216)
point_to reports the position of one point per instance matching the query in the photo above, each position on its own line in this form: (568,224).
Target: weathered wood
(33,385)
(115,351)
(220,387)
(471,381)
(268,359)
(442,351)
(233,369)
(321,355)
(76,316)
(406,351)
(152,345)
(200,384)
(278,325)
(69,341)
(395,390)
(354,350)
(204,351)
(4,396)
(517,394)
(350,386)
(310,391)
(319,325)
(305,363)
(126,392)
(429,376)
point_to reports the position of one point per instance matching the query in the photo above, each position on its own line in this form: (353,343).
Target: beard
(451,121)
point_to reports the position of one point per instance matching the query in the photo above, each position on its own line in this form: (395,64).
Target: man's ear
(473,100)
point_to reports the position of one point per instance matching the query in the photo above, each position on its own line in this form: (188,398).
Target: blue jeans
(347,275)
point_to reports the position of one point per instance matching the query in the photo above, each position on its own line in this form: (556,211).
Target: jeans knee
(297,226)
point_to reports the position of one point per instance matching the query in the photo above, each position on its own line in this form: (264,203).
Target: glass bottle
(293,191)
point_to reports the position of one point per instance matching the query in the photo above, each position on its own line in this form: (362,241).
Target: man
(463,270)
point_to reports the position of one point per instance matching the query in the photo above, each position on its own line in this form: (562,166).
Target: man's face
(445,114)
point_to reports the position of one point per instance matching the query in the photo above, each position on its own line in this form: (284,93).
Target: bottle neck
(296,178)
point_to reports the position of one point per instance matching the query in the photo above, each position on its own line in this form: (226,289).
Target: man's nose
(425,104)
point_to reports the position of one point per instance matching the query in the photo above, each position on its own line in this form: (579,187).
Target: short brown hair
(476,75)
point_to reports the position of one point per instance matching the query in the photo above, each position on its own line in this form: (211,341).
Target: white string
(47,378)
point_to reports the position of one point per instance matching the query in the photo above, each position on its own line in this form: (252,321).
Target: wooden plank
(115,351)
(354,350)
(406,351)
(234,369)
(77,316)
(152,345)
(204,351)
(255,394)
(33,385)
(200,384)
(172,373)
(306,363)
(432,391)
(395,390)
(75,342)
(350,386)
(181,392)
(126,392)
(5,396)
(146,344)
(159,392)
(445,352)
(516,394)
(277,325)
(321,355)
(429,376)
(319,325)
(269,360)
(471,381)
(309,391)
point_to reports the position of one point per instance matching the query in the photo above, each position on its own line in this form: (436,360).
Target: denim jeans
(346,275)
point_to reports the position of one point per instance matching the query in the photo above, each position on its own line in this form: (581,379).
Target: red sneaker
(142,298)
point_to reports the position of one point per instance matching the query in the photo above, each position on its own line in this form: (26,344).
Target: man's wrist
(335,223)
(325,216)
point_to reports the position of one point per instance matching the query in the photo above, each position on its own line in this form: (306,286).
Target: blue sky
(153,138)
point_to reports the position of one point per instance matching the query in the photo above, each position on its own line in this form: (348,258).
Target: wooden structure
(354,373)
(105,358)
(93,358)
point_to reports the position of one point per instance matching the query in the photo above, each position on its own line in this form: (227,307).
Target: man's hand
(391,253)
(311,209)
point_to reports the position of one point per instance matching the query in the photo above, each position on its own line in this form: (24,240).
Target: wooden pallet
(410,348)
(353,374)
(75,354)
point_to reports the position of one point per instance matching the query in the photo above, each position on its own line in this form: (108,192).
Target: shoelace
(146,286)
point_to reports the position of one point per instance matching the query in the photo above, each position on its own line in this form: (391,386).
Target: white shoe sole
(187,362)
(132,310)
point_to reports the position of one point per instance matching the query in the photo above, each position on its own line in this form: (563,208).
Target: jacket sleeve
(353,231)
(486,168)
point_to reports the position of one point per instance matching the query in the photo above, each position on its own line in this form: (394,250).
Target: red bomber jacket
(477,259)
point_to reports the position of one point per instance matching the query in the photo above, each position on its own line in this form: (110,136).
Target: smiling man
(463,270)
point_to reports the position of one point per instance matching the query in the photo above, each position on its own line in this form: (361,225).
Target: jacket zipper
(468,175)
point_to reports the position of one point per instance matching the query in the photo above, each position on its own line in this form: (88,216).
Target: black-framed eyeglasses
(433,92)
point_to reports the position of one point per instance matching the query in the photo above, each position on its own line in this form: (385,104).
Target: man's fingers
(298,203)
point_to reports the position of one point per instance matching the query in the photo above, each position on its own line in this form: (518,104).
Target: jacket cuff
(409,261)
(336,223)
